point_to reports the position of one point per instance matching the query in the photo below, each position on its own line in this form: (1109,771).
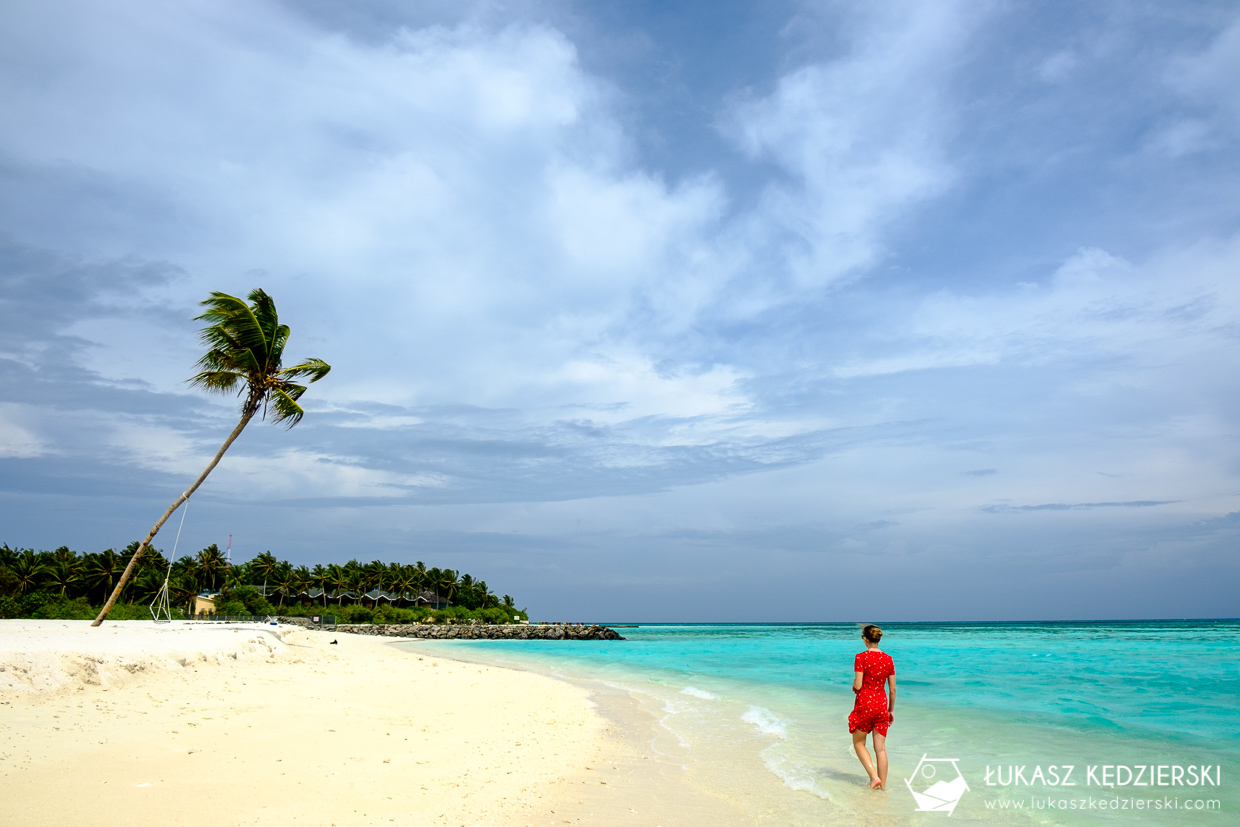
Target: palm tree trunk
(133,561)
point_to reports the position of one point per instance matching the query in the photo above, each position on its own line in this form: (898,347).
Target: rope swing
(161,609)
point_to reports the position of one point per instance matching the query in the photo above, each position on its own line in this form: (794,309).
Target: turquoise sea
(755,715)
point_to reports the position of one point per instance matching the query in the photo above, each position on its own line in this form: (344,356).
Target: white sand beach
(249,724)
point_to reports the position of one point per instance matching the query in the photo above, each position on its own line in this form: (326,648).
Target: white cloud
(1094,306)
(637,389)
(287,473)
(299,474)
(861,137)
(458,219)
(454,214)
(449,215)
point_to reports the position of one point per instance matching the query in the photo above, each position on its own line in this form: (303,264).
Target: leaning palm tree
(246,351)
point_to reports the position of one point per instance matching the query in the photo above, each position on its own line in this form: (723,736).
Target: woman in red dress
(873,711)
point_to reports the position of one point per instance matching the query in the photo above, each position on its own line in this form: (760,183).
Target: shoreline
(258,724)
(725,781)
(761,717)
(647,779)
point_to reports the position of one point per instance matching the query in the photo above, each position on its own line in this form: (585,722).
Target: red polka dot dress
(870,710)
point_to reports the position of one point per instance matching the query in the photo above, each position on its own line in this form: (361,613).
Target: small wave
(694,692)
(766,721)
(671,709)
(794,775)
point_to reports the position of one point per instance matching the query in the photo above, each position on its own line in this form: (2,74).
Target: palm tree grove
(64,584)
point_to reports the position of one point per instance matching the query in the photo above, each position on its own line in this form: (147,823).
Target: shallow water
(756,715)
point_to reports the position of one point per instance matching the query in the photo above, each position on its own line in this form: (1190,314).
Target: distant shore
(479,631)
(183,722)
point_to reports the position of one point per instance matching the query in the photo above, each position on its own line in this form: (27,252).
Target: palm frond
(236,342)
(314,369)
(234,326)
(217,381)
(246,347)
(239,360)
(275,347)
(284,407)
(263,311)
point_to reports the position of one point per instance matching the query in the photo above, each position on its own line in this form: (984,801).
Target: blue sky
(646,311)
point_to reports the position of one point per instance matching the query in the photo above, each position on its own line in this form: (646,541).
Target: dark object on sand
(333,643)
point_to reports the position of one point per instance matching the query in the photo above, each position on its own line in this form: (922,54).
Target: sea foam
(694,692)
(766,721)
(795,775)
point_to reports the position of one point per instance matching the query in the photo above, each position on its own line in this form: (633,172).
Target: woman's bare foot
(876,784)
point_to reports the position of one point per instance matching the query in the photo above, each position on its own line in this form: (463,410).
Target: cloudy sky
(645,311)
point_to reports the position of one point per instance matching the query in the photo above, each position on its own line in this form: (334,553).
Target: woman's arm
(857,678)
(891,695)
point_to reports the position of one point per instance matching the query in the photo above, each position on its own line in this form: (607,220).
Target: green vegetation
(63,584)
(245,354)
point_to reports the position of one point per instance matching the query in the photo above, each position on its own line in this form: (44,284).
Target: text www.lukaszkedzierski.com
(1092,803)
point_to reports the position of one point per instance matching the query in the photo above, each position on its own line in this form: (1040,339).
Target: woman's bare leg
(880,753)
(863,755)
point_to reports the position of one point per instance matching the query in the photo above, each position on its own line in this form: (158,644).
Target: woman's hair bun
(872,633)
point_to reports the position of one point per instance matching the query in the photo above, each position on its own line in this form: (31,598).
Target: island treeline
(65,584)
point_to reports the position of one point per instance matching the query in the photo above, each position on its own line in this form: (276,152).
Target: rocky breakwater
(476,631)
